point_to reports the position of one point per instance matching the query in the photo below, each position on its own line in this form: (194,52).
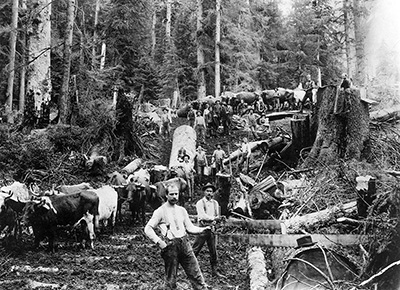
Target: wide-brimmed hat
(305,241)
(209,185)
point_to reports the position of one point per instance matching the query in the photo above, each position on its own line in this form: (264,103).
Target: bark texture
(339,136)
(257,269)
(39,53)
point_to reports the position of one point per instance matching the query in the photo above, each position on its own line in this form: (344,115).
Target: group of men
(174,225)
(209,120)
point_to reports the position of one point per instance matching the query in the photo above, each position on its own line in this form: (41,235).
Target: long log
(184,136)
(298,223)
(388,114)
(254,146)
(291,240)
(257,269)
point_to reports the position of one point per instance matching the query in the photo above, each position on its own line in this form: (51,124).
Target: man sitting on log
(208,214)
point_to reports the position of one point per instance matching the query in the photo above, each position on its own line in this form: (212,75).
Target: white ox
(108,202)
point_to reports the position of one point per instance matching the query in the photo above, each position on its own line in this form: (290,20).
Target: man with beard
(174,224)
(208,213)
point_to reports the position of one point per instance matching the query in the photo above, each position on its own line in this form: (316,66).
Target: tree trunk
(38,77)
(11,65)
(217,48)
(96,22)
(22,85)
(64,99)
(201,85)
(184,137)
(168,23)
(339,136)
(301,136)
(347,41)
(153,32)
(359,40)
(103,55)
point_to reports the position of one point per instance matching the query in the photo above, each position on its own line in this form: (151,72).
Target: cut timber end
(184,136)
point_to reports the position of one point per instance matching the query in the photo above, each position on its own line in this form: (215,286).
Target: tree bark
(217,48)
(201,85)
(168,23)
(22,85)
(96,22)
(11,65)
(64,100)
(39,71)
(339,136)
(153,32)
(347,38)
(359,41)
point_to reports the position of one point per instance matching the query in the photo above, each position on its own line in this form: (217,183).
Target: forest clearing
(135,132)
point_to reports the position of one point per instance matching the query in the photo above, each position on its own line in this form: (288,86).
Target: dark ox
(134,190)
(45,214)
(159,191)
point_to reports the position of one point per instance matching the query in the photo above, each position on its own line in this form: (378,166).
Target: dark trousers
(180,252)
(208,237)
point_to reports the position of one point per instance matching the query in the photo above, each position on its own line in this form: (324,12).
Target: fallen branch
(380,273)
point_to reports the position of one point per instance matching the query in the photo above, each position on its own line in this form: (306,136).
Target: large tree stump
(339,136)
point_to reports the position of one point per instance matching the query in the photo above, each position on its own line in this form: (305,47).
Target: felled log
(257,269)
(384,115)
(298,223)
(184,137)
(132,166)
(254,146)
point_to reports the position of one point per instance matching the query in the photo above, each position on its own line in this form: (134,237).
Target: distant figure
(165,124)
(309,84)
(245,151)
(191,115)
(200,127)
(181,154)
(218,158)
(189,174)
(253,123)
(201,162)
(346,84)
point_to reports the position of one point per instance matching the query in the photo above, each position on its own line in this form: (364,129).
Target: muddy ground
(123,260)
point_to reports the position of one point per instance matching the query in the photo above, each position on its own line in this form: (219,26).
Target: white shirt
(173,222)
(207,210)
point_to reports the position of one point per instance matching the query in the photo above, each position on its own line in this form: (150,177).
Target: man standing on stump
(174,223)
(208,213)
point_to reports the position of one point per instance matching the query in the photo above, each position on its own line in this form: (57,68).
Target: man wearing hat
(174,224)
(218,158)
(201,163)
(208,213)
(165,123)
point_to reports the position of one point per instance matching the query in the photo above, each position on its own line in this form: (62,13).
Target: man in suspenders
(174,224)
(208,213)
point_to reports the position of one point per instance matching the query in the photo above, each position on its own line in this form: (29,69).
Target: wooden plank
(291,240)
(254,224)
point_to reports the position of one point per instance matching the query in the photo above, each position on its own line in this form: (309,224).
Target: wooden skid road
(291,240)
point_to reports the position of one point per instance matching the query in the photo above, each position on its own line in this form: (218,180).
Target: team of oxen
(276,99)
(80,206)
